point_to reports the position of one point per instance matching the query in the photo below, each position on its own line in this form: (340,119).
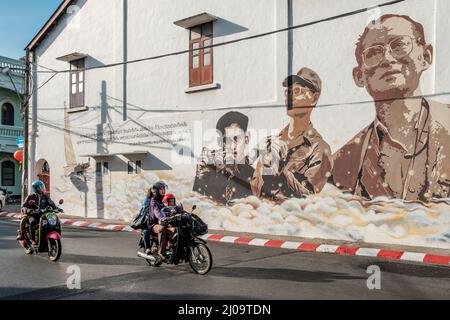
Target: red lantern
(18,155)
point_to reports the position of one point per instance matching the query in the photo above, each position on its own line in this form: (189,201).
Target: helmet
(38,187)
(157,186)
(167,197)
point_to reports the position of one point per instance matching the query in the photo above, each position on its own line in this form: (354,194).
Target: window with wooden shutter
(201,55)
(77,80)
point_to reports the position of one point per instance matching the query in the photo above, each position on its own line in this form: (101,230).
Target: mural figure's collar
(421,127)
(305,137)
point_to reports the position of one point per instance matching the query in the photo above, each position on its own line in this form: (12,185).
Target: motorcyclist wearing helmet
(156,219)
(171,208)
(38,199)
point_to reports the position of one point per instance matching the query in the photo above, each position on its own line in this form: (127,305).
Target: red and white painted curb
(334,249)
(79,223)
(299,246)
(10,215)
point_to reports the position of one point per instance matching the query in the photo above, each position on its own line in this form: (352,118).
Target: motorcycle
(46,234)
(187,246)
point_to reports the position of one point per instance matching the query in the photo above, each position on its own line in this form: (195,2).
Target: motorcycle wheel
(54,250)
(29,251)
(200,259)
(154,264)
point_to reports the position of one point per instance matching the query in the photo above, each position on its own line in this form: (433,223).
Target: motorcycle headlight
(52,220)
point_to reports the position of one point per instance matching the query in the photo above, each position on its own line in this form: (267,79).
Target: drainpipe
(290,37)
(125,60)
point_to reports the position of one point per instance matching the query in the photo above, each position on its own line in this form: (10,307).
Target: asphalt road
(110,270)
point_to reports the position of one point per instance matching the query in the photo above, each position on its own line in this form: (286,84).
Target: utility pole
(26,116)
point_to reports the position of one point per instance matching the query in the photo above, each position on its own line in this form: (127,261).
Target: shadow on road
(101,260)
(281,274)
(6,244)
(104,289)
(77,236)
(412,270)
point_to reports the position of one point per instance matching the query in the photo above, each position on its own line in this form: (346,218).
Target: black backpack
(140,220)
(199,227)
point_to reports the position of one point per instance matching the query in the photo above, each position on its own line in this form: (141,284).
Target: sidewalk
(376,250)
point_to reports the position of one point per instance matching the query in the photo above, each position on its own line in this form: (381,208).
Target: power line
(50,79)
(35,90)
(344,15)
(41,66)
(269,106)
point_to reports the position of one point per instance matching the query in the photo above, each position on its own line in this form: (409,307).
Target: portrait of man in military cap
(297,162)
(224,175)
(404,153)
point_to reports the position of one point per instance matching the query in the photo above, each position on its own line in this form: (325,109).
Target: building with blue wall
(11,122)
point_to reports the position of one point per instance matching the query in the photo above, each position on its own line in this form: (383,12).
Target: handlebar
(48,209)
(177,217)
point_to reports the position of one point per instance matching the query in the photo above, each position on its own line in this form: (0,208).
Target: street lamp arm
(7,71)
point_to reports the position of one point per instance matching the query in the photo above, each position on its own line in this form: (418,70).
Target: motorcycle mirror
(61,201)
(194,207)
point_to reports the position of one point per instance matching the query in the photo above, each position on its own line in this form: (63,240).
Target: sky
(20,21)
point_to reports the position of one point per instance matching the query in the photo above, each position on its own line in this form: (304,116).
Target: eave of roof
(49,25)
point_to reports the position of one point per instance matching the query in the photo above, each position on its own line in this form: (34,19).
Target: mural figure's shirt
(298,167)
(374,164)
(220,180)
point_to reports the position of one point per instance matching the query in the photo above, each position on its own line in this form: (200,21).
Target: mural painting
(392,179)
(403,154)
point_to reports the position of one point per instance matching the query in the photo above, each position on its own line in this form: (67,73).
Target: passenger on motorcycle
(41,201)
(171,208)
(145,209)
(156,221)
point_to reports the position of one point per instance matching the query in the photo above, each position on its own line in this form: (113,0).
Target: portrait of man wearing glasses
(224,175)
(405,152)
(295,163)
